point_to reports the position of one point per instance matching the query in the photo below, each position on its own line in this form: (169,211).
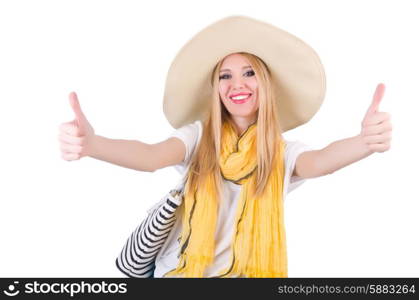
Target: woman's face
(238,87)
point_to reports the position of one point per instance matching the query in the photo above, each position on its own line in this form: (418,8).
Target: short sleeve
(190,135)
(292,150)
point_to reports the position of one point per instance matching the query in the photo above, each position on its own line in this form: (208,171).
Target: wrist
(93,146)
(363,145)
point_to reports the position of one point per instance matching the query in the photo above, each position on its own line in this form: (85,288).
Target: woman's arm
(78,139)
(375,136)
(335,156)
(138,155)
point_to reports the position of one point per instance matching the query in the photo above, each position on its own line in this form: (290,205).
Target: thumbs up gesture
(76,136)
(376,126)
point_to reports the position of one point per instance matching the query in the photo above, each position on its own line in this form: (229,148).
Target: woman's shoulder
(190,132)
(293,148)
(196,126)
(292,145)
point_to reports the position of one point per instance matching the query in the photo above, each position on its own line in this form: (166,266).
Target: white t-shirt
(167,259)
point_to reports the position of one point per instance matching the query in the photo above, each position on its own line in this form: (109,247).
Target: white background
(71,219)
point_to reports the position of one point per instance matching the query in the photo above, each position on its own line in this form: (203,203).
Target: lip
(239,94)
(242,100)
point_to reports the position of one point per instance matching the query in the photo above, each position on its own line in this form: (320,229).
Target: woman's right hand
(76,137)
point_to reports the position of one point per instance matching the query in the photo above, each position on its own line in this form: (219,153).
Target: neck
(242,123)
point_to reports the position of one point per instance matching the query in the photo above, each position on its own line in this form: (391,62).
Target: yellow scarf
(259,243)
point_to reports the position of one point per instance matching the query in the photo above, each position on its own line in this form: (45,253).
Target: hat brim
(296,68)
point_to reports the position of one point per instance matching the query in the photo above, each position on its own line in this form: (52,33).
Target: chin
(242,115)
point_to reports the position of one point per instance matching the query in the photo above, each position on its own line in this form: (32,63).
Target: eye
(251,72)
(248,73)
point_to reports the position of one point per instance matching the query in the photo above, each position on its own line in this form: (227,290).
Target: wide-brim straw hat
(295,67)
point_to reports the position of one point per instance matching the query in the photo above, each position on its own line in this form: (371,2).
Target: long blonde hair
(259,246)
(206,157)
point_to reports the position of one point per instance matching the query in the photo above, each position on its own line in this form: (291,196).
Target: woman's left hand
(376,126)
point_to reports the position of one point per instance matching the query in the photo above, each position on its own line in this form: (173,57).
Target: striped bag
(137,258)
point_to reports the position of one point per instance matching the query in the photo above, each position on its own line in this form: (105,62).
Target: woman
(246,91)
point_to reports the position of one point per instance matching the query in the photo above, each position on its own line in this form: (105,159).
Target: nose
(237,83)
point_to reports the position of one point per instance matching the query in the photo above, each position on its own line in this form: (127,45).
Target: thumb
(80,117)
(378,95)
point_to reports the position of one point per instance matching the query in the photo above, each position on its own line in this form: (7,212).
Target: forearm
(125,153)
(341,153)
(375,136)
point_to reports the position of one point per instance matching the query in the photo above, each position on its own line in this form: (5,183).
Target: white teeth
(241,97)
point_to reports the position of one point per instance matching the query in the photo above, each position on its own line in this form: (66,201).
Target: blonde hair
(206,157)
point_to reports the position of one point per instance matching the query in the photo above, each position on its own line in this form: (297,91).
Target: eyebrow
(245,67)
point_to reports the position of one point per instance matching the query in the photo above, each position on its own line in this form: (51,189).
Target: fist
(376,126)
(75,137)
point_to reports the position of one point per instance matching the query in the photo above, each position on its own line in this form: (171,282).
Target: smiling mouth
(240,99)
